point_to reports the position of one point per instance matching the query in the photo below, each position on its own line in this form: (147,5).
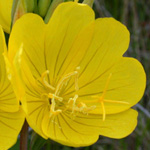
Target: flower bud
(43,6)
(89,2)
(30,5)
(51,9)
(19,8)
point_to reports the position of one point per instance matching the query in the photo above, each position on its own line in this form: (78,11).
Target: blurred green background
(135,14)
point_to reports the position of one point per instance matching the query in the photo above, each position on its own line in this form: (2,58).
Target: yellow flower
(5,14)
(11,115)
(77,84)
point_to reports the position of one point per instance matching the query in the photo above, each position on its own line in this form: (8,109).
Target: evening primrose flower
(11,115)
(77,83)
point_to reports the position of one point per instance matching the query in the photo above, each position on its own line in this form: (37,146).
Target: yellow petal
(67,132)
(62,30)
(36,111)
(33,104)
(119,125)
(2,41)
(115,126)
(35,107)
(31,35)
(83,130)
(5,14)
(110,39)
(11,117)
(8,101)
(32,101)
(43,43)
(125,88)
(10,126)
(13,68)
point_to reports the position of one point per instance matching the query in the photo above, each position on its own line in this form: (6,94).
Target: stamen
(50,95)
(72,103)
(52,109)
(82,107)
(53,96)
(81,104)
(66,77)
(76,79)
(60,84)
(45,83)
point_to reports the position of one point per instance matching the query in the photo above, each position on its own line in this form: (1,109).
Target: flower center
(57,103)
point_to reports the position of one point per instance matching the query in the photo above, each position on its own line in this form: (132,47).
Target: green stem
(24,137)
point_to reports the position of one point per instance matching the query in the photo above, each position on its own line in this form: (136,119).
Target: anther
(66,77)
(84,109)
(52,109)
(45,83)
(76,78)
(72,103)
(78,68)
(50,95)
